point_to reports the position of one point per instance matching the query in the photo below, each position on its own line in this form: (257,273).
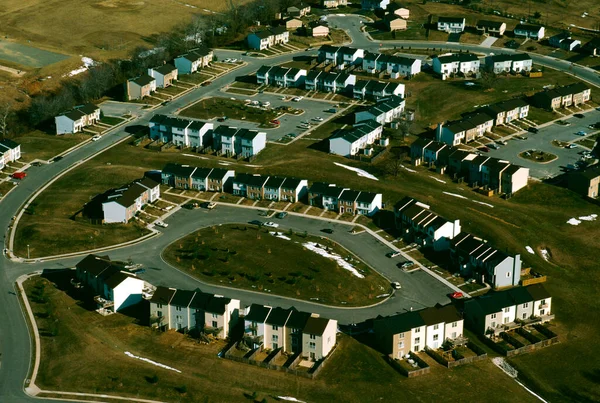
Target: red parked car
(456,295)
(19,175)
(275,122)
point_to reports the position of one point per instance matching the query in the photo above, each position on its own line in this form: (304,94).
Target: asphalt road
(418,289)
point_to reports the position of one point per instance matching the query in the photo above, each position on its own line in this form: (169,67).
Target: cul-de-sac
(299,201)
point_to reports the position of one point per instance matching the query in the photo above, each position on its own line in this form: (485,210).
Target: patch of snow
(87,63)
(224,163)
(383,296)
(454,195)
(408,169)
(513,373)
(591,217)
(360,172)
(312,246)
(484,203)
(573,221)
(149,52)
(437,179)
(290,399)
(158,364)
(545,254)
(530,250)
(196,156)
(280,235)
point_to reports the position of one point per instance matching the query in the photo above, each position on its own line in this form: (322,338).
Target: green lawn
(243,256)
(538,156)
(5,187)
(43,146)
(82,351)
(210,108)
(111,120)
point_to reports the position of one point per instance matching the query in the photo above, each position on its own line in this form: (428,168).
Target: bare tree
(394,165)
(5,114)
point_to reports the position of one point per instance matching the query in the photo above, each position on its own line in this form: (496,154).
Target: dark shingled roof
(315,326)
(165,69)
(182,298)
(489,24)
(400,323)
(538,292)
(162,295)
(258,313)
(297,319)
(142,80)
(451,20)
(217,173)
(439,314)
(117,278)
(278,316)
(183,171)
(94,264)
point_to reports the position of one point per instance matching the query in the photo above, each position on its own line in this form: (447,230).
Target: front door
(275,346)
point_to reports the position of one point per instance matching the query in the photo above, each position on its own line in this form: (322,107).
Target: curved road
(419,289)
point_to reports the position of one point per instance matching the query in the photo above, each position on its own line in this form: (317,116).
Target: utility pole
(28,251)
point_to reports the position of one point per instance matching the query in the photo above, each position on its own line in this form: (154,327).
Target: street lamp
(27,251)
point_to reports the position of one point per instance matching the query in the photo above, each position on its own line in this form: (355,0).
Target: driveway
(113,108)
(543,141)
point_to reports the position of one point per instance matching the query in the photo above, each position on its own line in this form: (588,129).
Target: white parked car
(233,60)
(271,224)
(297,99)
(96,137)
(396,285)
(161,224)
(318,119)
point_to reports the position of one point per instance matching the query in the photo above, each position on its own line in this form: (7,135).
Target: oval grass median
(277,262)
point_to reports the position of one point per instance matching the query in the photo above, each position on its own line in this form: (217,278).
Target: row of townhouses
(563,97)
(377,89)
(281,76)
(291,330)
(413,331)
(498,175)
(386,110)
(276,188)
(185,310)
(348,142)
(456,63)
(163,76)
(344,200)
(197,178)
(396,66)
(114,288)
(329,82)
(472,256)
(340,56)
(10,151)
(77,119)
(490,314)
(514,63)
(193,133)
(261,40)
(495,28)
(121,204)
(564,41)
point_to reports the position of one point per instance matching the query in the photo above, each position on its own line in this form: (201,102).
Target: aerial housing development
(302,201)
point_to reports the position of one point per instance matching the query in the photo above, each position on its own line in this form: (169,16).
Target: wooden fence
(481,355)
(423,367)
(521,348)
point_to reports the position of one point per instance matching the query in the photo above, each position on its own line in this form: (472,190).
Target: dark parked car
(36,164)
(204,84)
(532,129)
(55,159)
(487,150)
(327,230)
(283,214)
(138,271)
(256,222)
(405,265)
(579,115)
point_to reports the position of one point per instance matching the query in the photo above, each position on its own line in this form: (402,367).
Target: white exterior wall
(444,233)
(376,203)
(114,213)
(453,330)
(519,179)
(128,293)
(329,337)
(522,65)
(537,307)
(259,142)
(420,334)
(508,314)
(432,332)
(66,125)
(340,146)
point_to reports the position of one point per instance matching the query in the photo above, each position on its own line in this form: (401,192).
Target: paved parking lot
(289,123)
(113,108)
(543,141)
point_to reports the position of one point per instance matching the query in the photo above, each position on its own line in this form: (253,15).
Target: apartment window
(401,344)
(493,316)
(215,316)
(418,330)
(178,308)
(401,335)
(416,349)
(454,335)
(436,337)
(313,337)
(159,306)
(312,345)
(506,310)
(275,338)
(436,327)
(506,320)
(417,340)
(493,324)
(542,312)
(454,324)
(524,316)
(179,318)
(275,327)
(215,324)
(508,275)
(525,305)
(543,302)
(159,314)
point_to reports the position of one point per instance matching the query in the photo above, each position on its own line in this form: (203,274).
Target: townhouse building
(139,87)
(120,205)
(333,3)
(250,186)
(386,110)
(340,56)
(261,40)
(465,130)
(592,47)
(583,181)
(562,97)
(535,32)
(185,311)
(194,60)
(349,142)
(114,288)
(394,23)
(451,25)
(329,82)
(164,75)
(456,63)
(75,120)
(299,10)
(513,63)
(493,28)
(494,312)
(258,187)
(292,24)
(506,111)
(343,200)
(401,334)
(238,141)
(318,30)
(275,332)
(281,76)
(197,178)
(179,131)
(475,257)
(372,89)
(10,151)
(419,224)
(393,65)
